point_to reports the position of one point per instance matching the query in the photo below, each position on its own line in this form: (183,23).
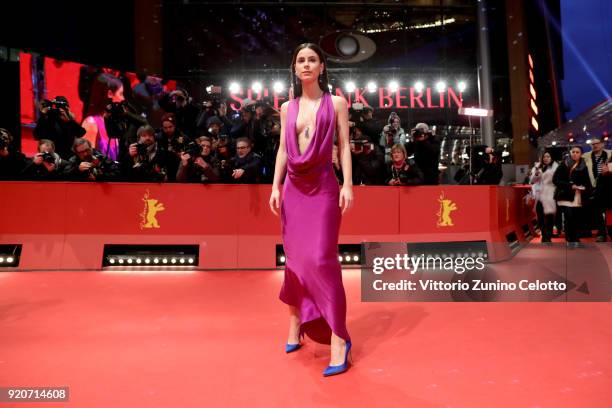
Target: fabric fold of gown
(310,220)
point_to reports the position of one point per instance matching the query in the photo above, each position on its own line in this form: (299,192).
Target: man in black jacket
(56,123)
(245,166)
(88,164)
(426,150)
(12,162)
(147,159)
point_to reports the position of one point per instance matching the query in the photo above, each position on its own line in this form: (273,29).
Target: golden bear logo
(151,208)
(444,213)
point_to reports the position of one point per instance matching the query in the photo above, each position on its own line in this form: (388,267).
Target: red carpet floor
(216,339)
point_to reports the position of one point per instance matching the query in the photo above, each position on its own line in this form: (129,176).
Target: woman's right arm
(281,163)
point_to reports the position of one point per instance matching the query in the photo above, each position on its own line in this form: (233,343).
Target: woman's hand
(274,200)
(346,198)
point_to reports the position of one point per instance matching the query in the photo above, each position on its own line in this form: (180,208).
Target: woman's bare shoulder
(339,103)
(284,106)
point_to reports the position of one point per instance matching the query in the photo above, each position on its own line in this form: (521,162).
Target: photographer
(426,150)
(12,162)
(56,123)
(148,159)
(244,167)
(393,128)
(367,158)
(490,171)
(186,112)
(88,164)
(198,164)
(370,127)
(251,124)
(46,164)
(403,171)
(173,141)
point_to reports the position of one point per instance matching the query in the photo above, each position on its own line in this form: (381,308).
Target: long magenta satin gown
(310,218)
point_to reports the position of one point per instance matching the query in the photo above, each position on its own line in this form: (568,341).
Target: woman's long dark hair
(323,78)
(98,98)
(544,166)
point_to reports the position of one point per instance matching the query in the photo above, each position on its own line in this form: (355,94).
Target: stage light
(554,143)
(120,261)
(173,260)
(419,86)
(129,261)
(393,86)
(283,259)
(347,258)
(1,259)
(350,86)
(138,260)
(147,260)
(165,260)
(371,87)
(461,86)
(182,260)
(156,260)
(278,87)
(190,260)
(234,87)
(355,258)
(257,87)
(10,259)
(111,260)
(440,86)
(340,258)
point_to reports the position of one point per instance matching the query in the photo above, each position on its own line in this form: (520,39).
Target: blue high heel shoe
(338,369)
(290,348)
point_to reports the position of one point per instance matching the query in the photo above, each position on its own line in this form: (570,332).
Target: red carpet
(216,339)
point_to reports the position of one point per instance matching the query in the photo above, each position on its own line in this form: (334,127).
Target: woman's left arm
(344,148)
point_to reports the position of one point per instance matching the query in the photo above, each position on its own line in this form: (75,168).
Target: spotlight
(347,258)
(190,260)
(129,261)
(147,260)
(165,260)
(371,87)
(234,87)
(393,86)
(283,259)
(257,87)
(182,260)
(111,260)
(1,259)
(120,261)
(340,258)
(156,260)
(440,86)
(138,261)
(173,260)
(278,87)
(461,86)
(418,86)
(10,259)
(355,258)
(350,87)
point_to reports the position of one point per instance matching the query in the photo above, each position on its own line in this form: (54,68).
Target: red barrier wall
(65,225)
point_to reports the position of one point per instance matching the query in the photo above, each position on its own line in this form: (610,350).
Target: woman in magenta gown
(312,205)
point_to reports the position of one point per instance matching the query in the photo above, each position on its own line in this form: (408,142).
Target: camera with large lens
(55,105)
(141,150)
(48,158)
(193,149)
(116,109)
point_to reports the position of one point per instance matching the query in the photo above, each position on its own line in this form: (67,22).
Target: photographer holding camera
(56,123)
(148,159)
(244,167)
(403,171)
(12,162)
(198,165)
(251,124)
(426,150)
(88,164)
(367,158)
(186,112)
(46,164)
(173,141)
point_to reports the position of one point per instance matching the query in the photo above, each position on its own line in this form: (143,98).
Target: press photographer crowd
(149,134)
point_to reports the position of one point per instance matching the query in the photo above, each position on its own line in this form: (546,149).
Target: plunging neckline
(297,135)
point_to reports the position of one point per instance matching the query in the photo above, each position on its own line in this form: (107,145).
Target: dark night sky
(587,24)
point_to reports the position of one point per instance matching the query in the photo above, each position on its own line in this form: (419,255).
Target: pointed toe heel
(339,369)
